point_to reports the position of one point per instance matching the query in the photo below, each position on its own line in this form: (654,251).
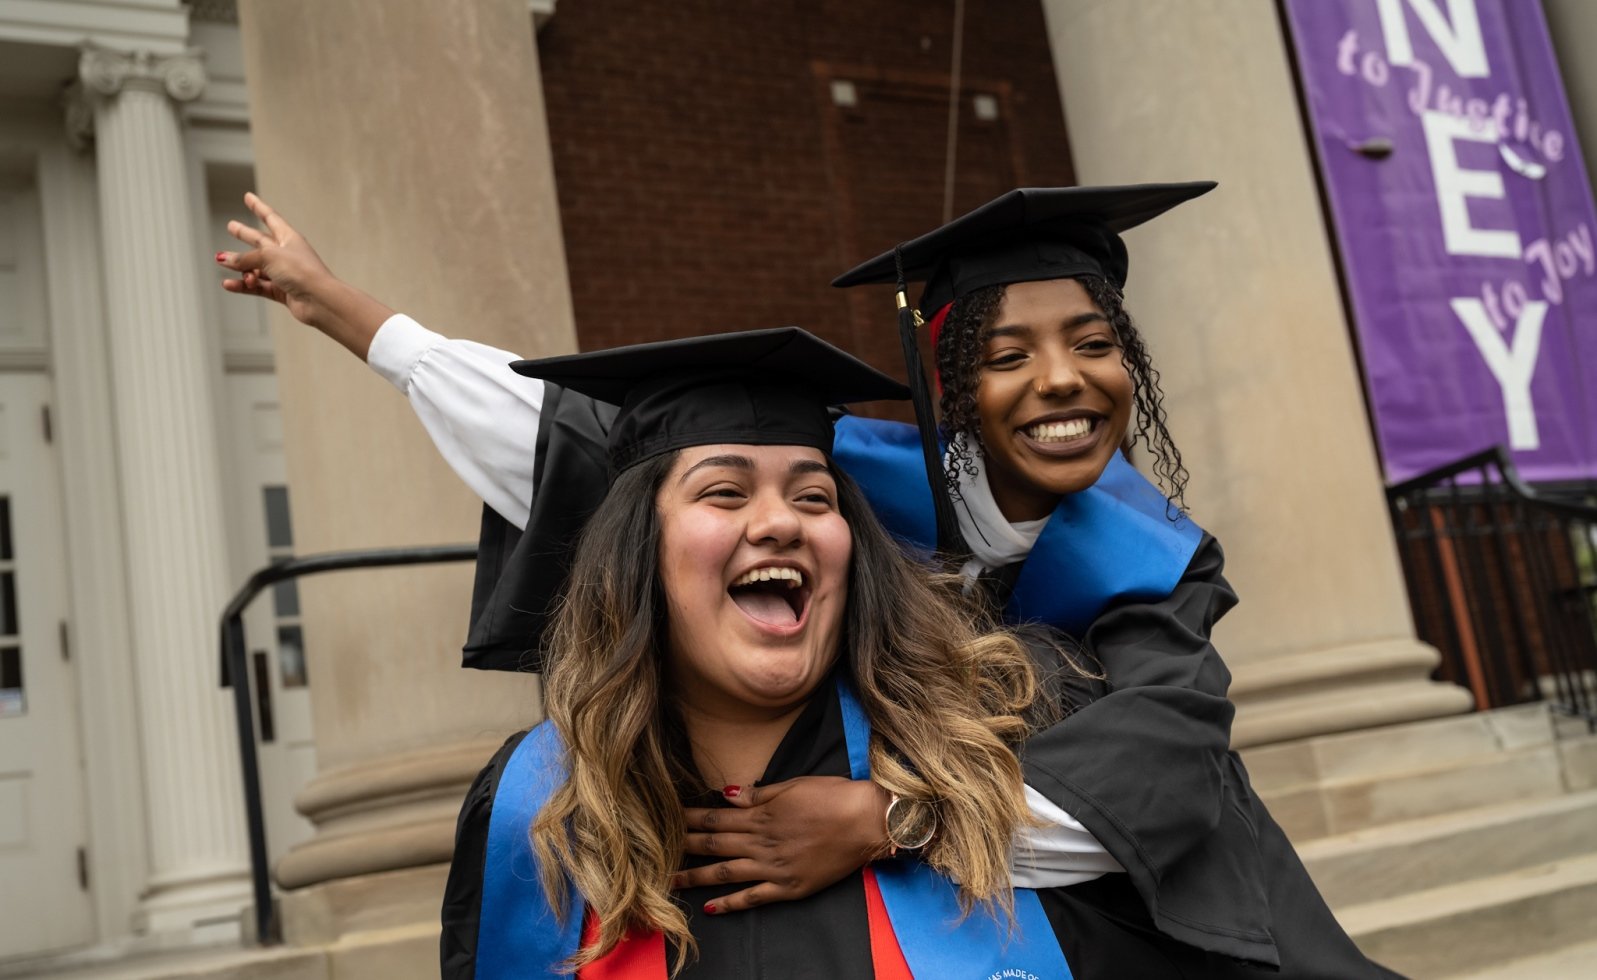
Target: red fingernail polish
(709,908)
(731,792)
(221,256)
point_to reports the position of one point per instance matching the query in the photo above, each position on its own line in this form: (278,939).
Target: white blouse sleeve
(1057,855)
(482,416)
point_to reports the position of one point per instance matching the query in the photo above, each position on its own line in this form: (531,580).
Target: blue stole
(923,905)
(1113,541)
(519,935)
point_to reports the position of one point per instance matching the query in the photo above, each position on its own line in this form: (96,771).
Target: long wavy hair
(944,703)
(959,360)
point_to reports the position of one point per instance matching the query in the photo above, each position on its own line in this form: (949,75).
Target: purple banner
(1465,221)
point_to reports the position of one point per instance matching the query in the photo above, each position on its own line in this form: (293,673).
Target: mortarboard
(1028,234)
(609,410)
(758,387)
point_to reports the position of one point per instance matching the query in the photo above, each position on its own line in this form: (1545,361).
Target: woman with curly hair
(1044,381)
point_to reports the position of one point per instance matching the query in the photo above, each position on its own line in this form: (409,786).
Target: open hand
(280,266)
(793,838)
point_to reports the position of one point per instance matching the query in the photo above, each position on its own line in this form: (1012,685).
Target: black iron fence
(1502,580)
(236,676)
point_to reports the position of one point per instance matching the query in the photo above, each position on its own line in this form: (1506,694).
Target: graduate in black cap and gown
(1141,780)
(737,617)
(1042,375)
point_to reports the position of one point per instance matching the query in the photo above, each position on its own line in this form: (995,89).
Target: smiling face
(754,560)
(1053,394)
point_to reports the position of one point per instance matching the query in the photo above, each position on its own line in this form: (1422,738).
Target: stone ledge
(275,963)
(1385,862)
(1319,670)
(1397,750)
(1560,964)
(320,859)
(1350,708)
(338,793)
(366,905)
(1344,806)
(1474,924)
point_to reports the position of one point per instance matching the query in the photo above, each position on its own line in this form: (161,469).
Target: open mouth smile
(1062,436)
(776,598)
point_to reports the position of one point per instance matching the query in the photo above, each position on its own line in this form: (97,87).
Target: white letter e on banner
(1455,185)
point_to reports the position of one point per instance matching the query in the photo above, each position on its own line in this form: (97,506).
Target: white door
(275,640)
(44,900)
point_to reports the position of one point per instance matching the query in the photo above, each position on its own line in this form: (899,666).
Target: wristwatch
(911,824)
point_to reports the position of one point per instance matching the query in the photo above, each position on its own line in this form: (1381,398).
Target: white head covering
(993,541)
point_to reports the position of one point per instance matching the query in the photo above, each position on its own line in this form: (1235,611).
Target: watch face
(910,823)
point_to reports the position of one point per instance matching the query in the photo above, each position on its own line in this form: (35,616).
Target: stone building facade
(540,177)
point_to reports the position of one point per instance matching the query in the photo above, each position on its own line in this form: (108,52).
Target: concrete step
(1478,924)
(406,952)
(1417,855)
(275,963)
(1345,805)
(1579,752)
(1397,750)
(1559,964)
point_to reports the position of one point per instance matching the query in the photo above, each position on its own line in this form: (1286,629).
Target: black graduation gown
(1147,768)
(822,936)
(1102,926)
(519,572)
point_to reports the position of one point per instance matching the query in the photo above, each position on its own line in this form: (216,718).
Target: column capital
(77,115)
(104,73)
(107,71)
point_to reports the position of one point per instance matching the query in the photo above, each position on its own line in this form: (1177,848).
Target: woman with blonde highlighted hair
(736,616)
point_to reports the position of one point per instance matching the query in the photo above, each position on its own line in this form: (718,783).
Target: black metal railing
(235,675)
(1503,580)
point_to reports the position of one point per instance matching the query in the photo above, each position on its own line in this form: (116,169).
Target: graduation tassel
(950,543)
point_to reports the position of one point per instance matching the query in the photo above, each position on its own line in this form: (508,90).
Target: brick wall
(708,180)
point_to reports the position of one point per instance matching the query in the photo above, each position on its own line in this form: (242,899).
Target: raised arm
(482,417)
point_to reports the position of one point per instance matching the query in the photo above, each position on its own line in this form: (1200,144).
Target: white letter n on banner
(1461,42)
(1511,366)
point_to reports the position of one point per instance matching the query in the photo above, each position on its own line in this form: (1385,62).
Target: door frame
(97,578)
(46,736)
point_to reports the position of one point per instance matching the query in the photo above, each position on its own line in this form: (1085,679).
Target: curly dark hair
(959,359)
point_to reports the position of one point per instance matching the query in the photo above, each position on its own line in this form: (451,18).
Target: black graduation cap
(759,387)
(1027,234)
(762,387)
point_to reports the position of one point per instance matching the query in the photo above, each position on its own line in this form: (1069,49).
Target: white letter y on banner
(1513,366)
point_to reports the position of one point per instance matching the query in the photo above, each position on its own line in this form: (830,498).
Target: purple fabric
(1471,250)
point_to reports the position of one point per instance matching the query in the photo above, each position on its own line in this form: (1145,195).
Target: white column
(168,458)
(81,371)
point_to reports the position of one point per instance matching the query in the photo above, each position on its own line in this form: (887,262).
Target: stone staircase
(1450,847)
(1464,847)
